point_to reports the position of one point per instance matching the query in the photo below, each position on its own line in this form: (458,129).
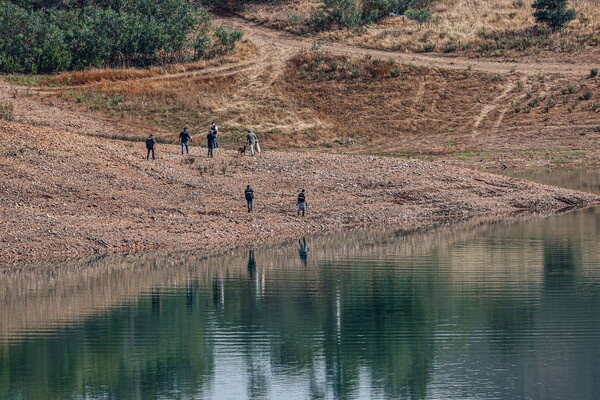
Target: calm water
(488,309)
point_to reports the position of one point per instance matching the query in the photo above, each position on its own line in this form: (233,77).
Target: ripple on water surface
(474,310)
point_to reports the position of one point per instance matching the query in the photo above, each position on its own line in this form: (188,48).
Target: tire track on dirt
(492,106)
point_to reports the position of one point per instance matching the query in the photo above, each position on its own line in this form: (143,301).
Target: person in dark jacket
(301,203)
(150,142)
(184,136)
(211,142)
(249,194)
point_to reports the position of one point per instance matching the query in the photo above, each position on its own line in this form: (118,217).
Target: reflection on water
(474,310)
(577,179)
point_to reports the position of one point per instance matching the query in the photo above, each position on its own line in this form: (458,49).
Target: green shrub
(349,14)
(225,39)
(428,48)
(420,16)
(553,13)
(337,14)
(41,36)
(593,72)
(587,95)
(534,102)
(374,10)
(569,89)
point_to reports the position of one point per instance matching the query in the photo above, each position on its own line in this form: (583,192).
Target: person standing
(184,136)
(150,142)
(211,142)
(301,203)
(249,194)
(215,129)
(252,139)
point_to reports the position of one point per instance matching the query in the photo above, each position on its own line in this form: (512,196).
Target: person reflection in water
(302,251)
(189,295)
(251,264)
(218,292)
(155,300)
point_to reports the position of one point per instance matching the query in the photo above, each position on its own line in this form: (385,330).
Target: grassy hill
(478,28)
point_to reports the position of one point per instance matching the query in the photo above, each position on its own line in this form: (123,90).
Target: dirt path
(292,42)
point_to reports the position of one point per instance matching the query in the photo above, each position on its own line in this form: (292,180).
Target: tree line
(43,36)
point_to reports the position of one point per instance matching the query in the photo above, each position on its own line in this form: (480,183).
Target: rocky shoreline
(65,194)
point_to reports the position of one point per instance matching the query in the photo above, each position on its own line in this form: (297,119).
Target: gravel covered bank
(65,194)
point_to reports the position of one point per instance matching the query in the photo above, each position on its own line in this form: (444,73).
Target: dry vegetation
(291,16)
(365,105)
(315,99)
(235,91)
(481,27)
(243,51)
(404,109)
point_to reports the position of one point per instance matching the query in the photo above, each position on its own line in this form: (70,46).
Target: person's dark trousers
(210,151)
(185,145)
(148,155)
(249,205)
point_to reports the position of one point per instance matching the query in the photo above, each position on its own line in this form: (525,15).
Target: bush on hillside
(40,36)
(553,13)
(350,13)
(420,16)
(225,38)
(337,14)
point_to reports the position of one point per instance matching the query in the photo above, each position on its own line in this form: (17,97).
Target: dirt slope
(65,194)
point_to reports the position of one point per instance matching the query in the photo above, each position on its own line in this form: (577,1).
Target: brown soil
(66,194)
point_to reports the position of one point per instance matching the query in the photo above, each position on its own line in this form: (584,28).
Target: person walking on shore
(215,129)
(184,136)
(301,203)
(249,194)
(211,143)
(150,142)
(252,141)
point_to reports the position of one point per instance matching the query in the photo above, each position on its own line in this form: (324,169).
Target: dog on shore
(241,150)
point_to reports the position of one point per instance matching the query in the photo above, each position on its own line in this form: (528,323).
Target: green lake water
(483,309)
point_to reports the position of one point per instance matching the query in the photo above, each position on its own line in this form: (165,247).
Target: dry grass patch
(243,51)
(292,16)
(555,100)
(500,27)
(324,66)
(493,28)
(236,92)
(383,104)
(390,108)
(6,110)
(348,104)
